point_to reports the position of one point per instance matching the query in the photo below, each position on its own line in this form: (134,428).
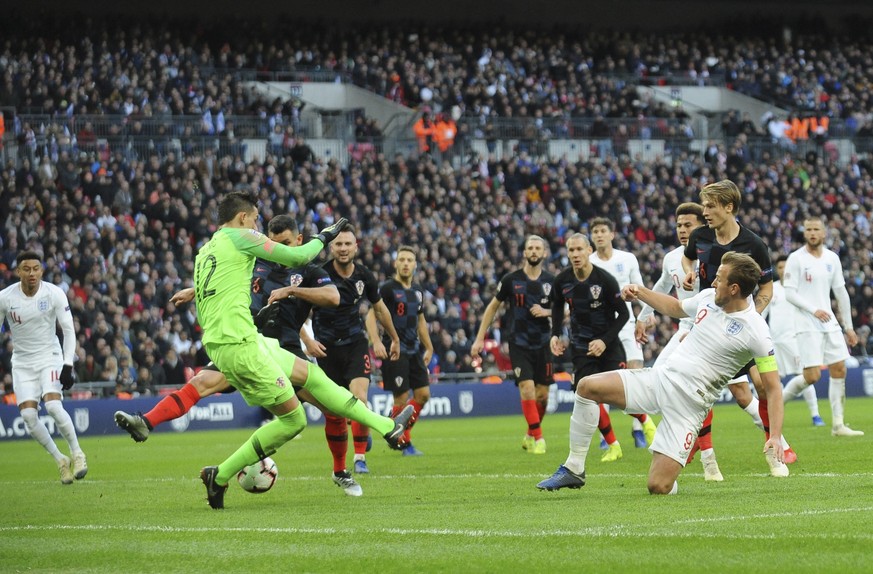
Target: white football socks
(64,423)
(583,425)
(837,397)
(37,430)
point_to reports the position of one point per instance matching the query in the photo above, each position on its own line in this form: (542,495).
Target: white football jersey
(782,315)
(719,345)
(33,323)
(672,276)
(624,266)
(813,278)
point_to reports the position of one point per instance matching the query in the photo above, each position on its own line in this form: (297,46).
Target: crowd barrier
(94,417)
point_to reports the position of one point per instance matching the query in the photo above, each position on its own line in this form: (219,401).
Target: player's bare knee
(208,382)
(586,388)
(742,394)
(658,485)
(837,370)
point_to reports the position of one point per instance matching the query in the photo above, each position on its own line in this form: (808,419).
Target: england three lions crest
(733,328)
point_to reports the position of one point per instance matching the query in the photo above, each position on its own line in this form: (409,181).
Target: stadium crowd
(119,229)
(85,65)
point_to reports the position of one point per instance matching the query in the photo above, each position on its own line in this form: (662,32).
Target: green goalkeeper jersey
(223,277)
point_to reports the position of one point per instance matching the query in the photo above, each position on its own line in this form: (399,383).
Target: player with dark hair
(728,332)
(404,300)
(527,294)
(689,216)
(41,368)
(296,289)
(258,367)
(706,245)
(304,283)
(341,346)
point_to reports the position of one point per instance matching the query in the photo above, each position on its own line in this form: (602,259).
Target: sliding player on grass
(689,216)
(728,333)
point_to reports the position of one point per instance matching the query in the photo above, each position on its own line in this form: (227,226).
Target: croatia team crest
(359,286)
(517,372)
(295,280)
(82,420)
(465,402)
(398,381)
(733,328)
(547,289)
(596,290)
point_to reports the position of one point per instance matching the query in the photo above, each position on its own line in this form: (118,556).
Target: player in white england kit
(41,370)
(728,333)
(782,319)
(689,216)
(625,268)
(811,273)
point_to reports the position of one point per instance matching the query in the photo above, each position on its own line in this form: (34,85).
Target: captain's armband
(766,364)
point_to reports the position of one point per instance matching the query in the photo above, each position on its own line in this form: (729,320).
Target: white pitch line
(591,532)
(485,476)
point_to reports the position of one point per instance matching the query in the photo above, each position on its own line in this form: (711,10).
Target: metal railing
(577,138)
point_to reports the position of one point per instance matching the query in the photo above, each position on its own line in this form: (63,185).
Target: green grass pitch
(468,505)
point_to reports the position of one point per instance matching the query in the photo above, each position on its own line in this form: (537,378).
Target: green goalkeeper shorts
(260,369)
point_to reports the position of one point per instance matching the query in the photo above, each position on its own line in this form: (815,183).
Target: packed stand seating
(122,238)
(151,67)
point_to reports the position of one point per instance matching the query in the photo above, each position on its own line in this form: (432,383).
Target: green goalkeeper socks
(263,442)
(343,403)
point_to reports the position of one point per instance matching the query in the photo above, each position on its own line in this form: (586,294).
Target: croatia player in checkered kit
(404,300)
(728,333)
(41,368)
(527,294)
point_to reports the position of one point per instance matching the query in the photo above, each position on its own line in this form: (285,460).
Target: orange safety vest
(816,123)
(445,134)
(423,132)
